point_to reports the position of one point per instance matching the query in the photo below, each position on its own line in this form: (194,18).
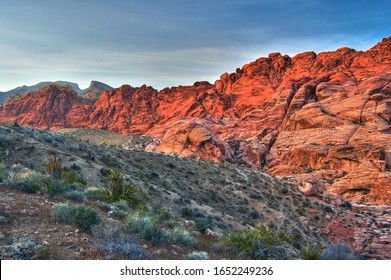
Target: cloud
(162,44)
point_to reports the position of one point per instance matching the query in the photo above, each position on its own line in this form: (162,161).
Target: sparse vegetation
(146,227)
(179,203)
(76,195)
(311,253)
(180,235)
(204,223)
(118,189)
(84,218)
(338,251)
(117,247)
(80,216)
(54,168)
(260,243)
(25,180)
(62,213)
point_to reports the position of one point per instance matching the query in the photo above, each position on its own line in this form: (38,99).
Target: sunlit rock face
(324,118)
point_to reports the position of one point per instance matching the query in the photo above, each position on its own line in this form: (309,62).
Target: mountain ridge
(322,118)
(94,90)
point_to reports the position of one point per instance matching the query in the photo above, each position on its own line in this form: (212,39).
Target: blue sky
(167,43)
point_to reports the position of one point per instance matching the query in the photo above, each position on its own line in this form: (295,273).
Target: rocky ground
(230,198)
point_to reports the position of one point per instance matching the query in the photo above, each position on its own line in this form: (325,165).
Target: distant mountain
(92,92)
(95,90)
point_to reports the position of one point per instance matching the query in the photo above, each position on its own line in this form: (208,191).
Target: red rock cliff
(326,118)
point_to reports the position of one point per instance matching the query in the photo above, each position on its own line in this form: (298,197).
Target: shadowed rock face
(324,118)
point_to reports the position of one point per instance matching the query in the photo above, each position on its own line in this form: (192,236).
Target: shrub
(164,214)
(311,253)
(346,204)
(109,239)
(26,180)
(338,251)
(84,218)
(62,212)
(75,167)
(181,235)
(70,177)
(47,138)
(203,224)
(105,172)
(123,249)
(186,212)
(3,172)
(118,189)
(121,205)
(145,226)
(54,186)
(107,230)
(118,213)
(196,256)
(103,206)
(92,193)
(260,243)
(75,195)
(59,138)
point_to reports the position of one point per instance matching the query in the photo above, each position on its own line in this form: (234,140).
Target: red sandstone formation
(324,118)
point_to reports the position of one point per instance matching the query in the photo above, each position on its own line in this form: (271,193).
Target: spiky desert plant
(311,253)
(53,167)
(118,189)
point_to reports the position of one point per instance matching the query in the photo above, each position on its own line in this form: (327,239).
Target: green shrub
(186,213)
(103,205)
(84,218)
(145,227)
(26,180)
(164,214)
(70,177)
(62,212)
(75,195)
(118,213)
(180,235)
(121,205)
(117,189)
(93,193)
(196,256)
(203,224)
(75,167)
(260,243)
(3,172)
(54,186)
(311,253)
(105,172)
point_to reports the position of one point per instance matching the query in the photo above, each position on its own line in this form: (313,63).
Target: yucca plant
(53,167)
(311,253)
(118,189)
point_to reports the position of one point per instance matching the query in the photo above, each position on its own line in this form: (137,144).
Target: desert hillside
(55,190)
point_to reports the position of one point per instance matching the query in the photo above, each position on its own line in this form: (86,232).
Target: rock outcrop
(95,90)
(324,118)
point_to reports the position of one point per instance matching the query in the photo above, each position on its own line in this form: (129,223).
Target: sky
(168,43)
